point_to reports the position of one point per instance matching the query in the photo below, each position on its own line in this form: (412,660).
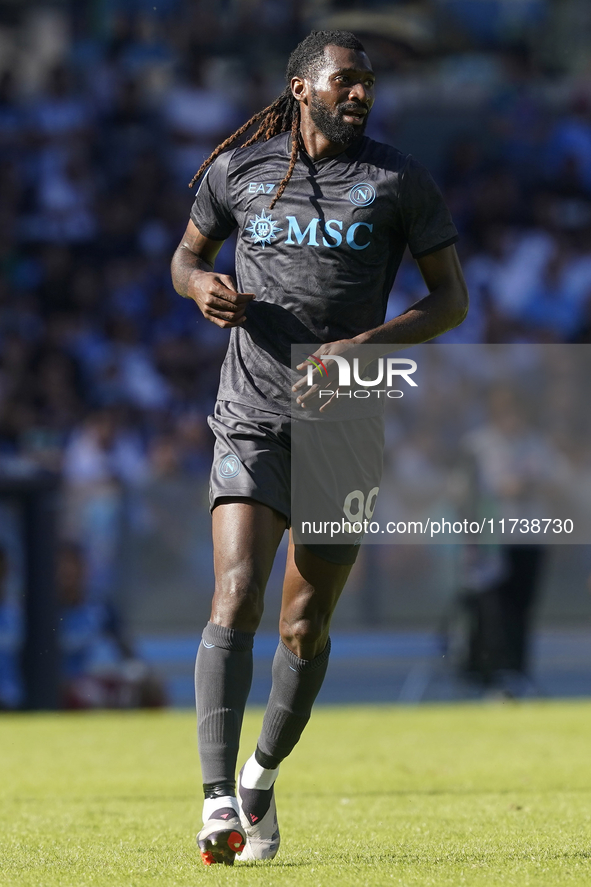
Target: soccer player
(324,215)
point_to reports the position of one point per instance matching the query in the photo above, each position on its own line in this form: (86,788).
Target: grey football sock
(296,683)
(223,675)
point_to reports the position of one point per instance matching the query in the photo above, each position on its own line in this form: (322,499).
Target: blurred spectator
(59,124)
(99,669)
(499,593)
(198,117)
(146,54)
(568,150)
(518,113)
(513,463)
(103,453)
(65,212)
(11,632)
(11,118)
(550,312)
(195,444)
(101,462)
(125,373)
(128,129)
(59,117)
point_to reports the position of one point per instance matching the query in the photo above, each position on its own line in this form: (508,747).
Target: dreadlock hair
(283,114)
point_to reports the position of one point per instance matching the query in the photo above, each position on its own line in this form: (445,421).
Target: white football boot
(222,835)
(258,816)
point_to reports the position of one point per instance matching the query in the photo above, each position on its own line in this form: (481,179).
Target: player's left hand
(325,374)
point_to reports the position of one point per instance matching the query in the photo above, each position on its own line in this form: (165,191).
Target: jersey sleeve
(211,211)
(424,216)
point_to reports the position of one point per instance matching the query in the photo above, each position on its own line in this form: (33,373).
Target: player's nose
(360,93)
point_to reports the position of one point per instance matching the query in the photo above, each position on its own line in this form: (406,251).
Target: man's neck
(317,146)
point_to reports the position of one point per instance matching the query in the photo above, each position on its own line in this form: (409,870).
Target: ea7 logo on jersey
(362,194)
(260,187)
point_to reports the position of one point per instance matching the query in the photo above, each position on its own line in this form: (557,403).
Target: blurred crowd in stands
(106,375)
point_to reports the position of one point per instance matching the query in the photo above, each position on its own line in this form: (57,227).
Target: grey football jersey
(323,261)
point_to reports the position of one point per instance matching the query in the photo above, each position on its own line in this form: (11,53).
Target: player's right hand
(218,299)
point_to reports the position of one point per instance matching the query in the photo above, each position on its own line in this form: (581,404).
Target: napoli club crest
(362,194)
(230,466)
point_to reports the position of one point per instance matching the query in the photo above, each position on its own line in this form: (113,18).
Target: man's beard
(331,124)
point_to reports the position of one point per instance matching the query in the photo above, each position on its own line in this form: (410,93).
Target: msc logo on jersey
(263,229)
(362,194)
(229,466)
(332,233)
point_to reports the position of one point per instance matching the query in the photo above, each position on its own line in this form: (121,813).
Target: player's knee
(307,637)
(239,601)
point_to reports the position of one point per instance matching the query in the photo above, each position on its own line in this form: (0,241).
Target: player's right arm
(194,278)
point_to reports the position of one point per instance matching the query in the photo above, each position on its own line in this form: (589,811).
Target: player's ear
(299,89)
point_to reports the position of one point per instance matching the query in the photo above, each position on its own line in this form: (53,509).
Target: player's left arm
(444,308)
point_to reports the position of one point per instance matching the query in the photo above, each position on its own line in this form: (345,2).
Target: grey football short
(253,460)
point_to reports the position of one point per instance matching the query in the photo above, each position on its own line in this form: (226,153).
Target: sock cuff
(305,664)
(228,638)
(219,789)
(267,762)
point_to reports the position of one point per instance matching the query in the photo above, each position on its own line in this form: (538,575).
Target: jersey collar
(349,153)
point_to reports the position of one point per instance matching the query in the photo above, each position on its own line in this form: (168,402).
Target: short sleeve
(211,212)
(425,218)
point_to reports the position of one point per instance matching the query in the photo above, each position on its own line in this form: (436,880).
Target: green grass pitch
(497,794)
